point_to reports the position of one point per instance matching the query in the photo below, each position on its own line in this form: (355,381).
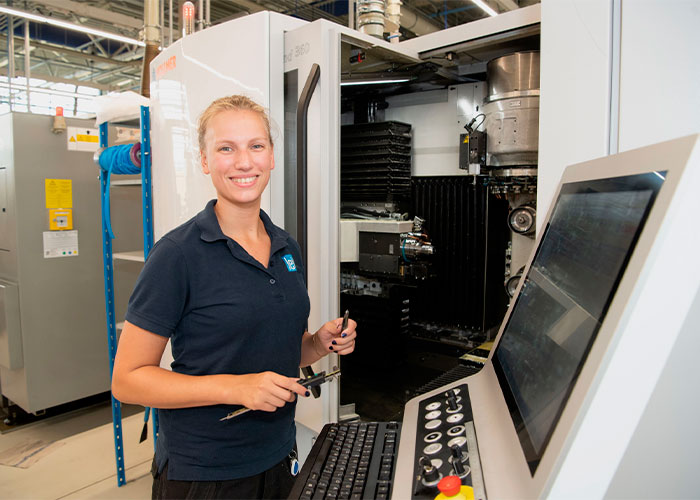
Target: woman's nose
(243,160)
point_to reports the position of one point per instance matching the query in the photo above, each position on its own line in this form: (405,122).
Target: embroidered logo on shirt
(289,261)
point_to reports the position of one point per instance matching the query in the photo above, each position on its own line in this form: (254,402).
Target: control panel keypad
(446,444)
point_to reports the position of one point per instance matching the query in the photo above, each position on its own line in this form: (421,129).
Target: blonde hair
(230,103)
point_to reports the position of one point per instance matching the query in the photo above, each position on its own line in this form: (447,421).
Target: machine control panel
(446,444)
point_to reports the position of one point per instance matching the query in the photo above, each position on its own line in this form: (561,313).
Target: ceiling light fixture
(374,82)
(70,26)
(485,7)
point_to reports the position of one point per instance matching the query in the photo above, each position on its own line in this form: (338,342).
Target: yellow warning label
(466,139)
(72,139)
(60,219)
(59,193)
(88,138)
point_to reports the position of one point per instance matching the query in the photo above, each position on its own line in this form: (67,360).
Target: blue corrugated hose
(117,160)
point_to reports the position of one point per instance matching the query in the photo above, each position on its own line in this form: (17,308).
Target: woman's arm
(329,338)
(138,379)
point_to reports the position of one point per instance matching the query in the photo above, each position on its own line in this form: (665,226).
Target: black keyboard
(350,461)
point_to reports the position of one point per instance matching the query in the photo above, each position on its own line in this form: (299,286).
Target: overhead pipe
(200,15)
(151,35)
(412,21)
(370,17)
(393,20)
(351,14)
(161,22)
(170,23)
(27,68)
(10,56)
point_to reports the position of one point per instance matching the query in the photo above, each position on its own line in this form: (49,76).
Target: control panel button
(459,441)
(432,415)
(433,424)
(432,449)
(433,406)
(454,419)
(432,437)
(455,431)
(455,409)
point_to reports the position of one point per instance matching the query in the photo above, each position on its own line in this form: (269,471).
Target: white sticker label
(514,104)
(60,244)
(83,139)
(127,134)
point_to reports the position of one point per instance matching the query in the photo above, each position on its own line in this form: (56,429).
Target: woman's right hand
(266,391)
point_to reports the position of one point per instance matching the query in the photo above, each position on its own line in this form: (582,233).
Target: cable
(123,159)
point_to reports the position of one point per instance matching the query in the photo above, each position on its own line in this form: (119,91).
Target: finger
(346,349)
(352,325)
(341,341)
(300,389)
(277,390)
(293,387)
(272,405)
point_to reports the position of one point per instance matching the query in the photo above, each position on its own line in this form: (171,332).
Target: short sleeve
(161,292)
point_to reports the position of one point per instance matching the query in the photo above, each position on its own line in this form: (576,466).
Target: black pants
(274,483)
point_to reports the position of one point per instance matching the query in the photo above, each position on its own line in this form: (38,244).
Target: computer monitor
(564,298)
(568,331)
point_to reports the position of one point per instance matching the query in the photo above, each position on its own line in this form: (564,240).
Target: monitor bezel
(532,455)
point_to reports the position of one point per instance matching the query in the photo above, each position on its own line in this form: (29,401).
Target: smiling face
(239,156)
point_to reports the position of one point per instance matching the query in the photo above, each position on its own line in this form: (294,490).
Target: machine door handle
(302,161)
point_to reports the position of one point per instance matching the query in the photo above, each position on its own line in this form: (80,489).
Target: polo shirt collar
(211,231)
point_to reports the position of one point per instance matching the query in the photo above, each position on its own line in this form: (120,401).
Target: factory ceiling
(60,55)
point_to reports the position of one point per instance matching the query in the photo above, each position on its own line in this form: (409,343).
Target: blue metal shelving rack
(107,255)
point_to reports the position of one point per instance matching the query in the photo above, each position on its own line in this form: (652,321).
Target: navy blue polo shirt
(224,313)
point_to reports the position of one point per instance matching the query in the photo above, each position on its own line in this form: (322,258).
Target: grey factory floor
(71,456)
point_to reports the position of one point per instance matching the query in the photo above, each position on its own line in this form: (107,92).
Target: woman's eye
(225,148)
(258,146)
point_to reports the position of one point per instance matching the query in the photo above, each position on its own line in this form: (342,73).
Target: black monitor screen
(567,291)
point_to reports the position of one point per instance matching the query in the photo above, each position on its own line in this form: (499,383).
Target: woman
(227,288)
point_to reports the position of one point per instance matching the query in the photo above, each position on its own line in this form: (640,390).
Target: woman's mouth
(244,181)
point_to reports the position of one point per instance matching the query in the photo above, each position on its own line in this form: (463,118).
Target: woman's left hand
(331,338)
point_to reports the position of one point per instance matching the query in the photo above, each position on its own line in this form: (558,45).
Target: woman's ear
(203,160)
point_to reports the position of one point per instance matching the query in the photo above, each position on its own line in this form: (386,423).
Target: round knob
(452,402)
(458,467)
(430,472)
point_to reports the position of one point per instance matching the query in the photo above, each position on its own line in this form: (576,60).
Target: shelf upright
(147,206)
(109,309)
(108,259)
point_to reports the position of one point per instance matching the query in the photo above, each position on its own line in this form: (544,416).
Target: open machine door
(312,74)
(311,184)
